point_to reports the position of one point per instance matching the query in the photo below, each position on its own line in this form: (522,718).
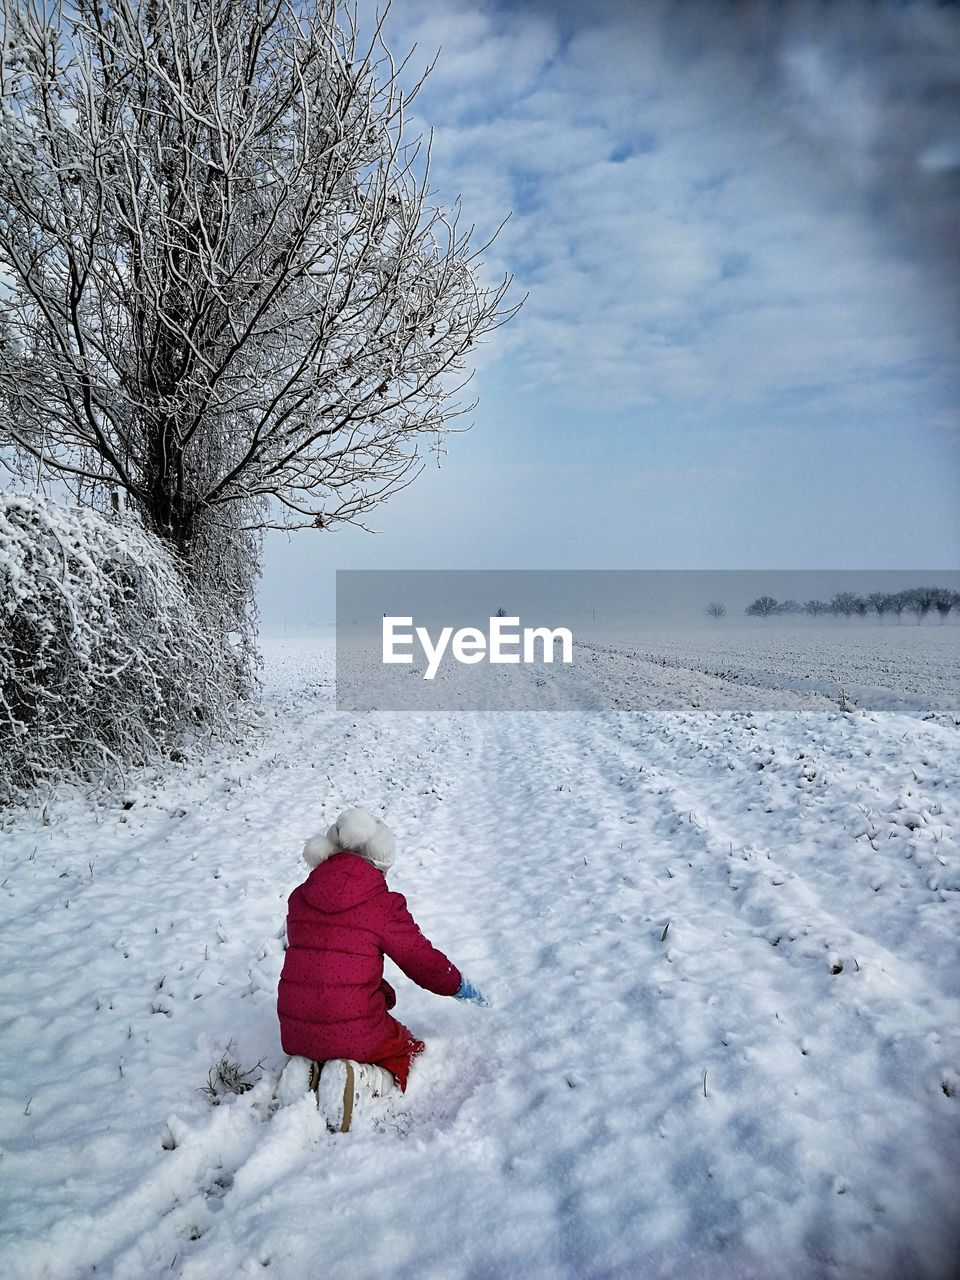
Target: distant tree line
(920,601)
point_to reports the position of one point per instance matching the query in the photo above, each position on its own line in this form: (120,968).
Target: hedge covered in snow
(105,660)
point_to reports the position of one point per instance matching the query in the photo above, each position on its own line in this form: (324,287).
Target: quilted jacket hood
(342,881)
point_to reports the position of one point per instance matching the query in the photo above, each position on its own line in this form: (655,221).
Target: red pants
(397,1052)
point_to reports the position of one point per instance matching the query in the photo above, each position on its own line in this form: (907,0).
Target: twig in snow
(704,1081)
(665,928)
(228,1077)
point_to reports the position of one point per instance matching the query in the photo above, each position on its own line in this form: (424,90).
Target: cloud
(712,204)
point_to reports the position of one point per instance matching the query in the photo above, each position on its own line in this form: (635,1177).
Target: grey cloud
(711,201)
(872,86)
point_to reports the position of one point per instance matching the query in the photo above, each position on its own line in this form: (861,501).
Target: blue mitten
(468,991)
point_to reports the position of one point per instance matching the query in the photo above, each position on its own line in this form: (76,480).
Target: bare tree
(880,601)
(815,608)
(844,602)
(762,607)
(944,601)
(921,601)
(897,602)
(716,609)
(229,300)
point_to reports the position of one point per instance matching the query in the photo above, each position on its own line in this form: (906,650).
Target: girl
(333,998)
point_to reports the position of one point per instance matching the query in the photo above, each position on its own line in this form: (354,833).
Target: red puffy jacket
(341,922)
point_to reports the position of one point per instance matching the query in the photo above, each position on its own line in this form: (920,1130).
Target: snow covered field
(721,945)
(888,666)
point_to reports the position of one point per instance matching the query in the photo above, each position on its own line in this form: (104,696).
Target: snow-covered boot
(347,1087)
(298,1077)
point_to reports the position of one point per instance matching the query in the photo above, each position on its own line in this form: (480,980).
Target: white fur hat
(359,832)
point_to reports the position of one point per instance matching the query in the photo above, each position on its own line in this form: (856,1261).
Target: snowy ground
(880,666)
(721,946)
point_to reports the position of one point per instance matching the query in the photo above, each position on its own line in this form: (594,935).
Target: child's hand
(468,991)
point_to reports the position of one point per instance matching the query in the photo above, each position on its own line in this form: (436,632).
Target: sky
(737,227)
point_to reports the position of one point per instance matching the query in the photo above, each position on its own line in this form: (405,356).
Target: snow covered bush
(105,659)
